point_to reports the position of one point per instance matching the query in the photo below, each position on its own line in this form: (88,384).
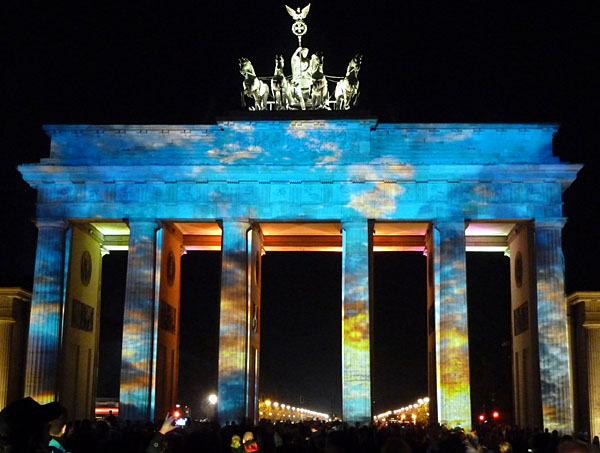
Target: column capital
(354,223)
(454,223)
(51,223)
(235,220)
(235,224)
(550,223)
(141,220)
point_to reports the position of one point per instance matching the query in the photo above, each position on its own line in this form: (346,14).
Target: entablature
(297,142)
(36,174)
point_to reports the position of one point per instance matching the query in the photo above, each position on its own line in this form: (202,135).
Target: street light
(212,399)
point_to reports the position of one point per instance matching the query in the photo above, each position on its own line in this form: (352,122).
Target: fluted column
(6,330)
(356,359)
(454,392)
(557,406)
(233,327)
(138,322)
(46,312)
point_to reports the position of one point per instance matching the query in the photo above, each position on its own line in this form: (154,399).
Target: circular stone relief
(519,270)
(86,268)
(170,268)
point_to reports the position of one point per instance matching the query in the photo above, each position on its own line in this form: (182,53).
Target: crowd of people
(29,427)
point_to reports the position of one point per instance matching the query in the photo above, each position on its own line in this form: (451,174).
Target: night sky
(479,61)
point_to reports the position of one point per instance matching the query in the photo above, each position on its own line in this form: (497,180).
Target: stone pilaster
(593,363)
(14,327)
(525,366)
(46,312)
(433,316)
(233,327)
(356,359)
(557,406)
(584,311)
(6,329)
(138,322)
(454,391)
(255,248)
(166,368)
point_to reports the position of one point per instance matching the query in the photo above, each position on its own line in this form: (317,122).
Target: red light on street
(495,414)
(481,417)
(176,414)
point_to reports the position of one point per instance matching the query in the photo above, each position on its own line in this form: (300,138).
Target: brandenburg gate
(247,187)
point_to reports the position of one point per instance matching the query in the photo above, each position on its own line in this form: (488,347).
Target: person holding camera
(157,440)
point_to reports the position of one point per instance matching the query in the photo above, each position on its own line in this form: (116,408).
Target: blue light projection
(138,326)
(452,331)
(554,354)
(233,322)
(307,170)
(41,380)
(356,365)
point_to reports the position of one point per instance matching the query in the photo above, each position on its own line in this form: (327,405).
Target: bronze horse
(346,90)
(283,93)
(253,87)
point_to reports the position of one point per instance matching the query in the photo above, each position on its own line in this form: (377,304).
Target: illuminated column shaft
(356,365)
(233,327)
(557,406)
(138,324)
(6,329)
(454,393)
(41,380)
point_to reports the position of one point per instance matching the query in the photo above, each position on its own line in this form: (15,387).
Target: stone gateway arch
(246,187)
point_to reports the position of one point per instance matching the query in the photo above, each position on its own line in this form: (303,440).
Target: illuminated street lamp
(212,399)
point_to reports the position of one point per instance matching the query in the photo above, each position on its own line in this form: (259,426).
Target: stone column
(46,312)
(557,406)
(138,322)
(454,392)
(356,358)
(233,324)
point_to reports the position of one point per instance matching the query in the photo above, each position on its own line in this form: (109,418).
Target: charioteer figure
(301,75)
